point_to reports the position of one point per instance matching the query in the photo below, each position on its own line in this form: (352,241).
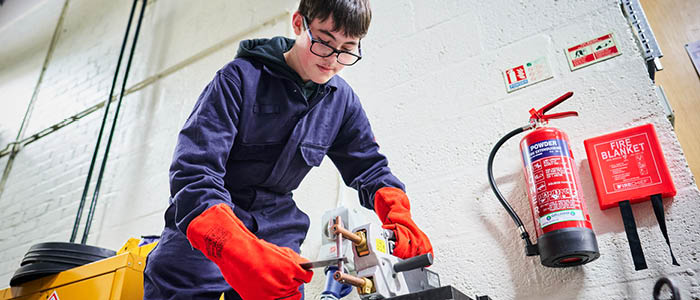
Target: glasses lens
(321,50)
(347,58)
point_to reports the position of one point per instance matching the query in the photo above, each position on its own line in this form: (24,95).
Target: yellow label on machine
(381,245)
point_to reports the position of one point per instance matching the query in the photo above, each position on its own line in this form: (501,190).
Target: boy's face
(311,66)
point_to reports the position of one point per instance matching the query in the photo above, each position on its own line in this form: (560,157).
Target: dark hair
(351,16)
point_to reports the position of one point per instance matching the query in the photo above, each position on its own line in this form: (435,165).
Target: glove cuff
(390,199)
(214,228)
(393,208)
(256,269)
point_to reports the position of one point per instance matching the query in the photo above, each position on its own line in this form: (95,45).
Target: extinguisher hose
(530,249)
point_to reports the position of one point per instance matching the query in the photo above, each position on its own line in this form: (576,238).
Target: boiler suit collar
(270,52)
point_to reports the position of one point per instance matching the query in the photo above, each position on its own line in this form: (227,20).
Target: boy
(265,120)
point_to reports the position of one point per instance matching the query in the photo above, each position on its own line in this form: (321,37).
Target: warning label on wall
(629,162)
(527,74)
(593,51)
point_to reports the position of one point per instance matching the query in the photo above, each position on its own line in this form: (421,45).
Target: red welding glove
(392,207)
(256,269)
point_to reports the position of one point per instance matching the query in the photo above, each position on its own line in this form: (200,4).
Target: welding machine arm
(394,210)
(253,267)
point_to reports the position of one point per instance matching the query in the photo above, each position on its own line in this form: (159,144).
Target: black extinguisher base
(568,247)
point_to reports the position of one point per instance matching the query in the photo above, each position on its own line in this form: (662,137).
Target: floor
(676,23)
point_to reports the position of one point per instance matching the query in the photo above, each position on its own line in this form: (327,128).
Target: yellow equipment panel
(118,277)
(97,287)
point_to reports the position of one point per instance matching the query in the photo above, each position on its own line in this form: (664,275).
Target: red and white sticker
(556,197)
(53,296)
(527,74)
(550,169)
(593,51)
(630,162)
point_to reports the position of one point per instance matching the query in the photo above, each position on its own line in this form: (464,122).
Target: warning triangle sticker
(54,296)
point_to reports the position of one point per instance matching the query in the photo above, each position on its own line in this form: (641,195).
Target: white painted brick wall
(431,84)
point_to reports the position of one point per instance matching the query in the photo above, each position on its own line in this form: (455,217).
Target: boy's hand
(256,269)
(392,207)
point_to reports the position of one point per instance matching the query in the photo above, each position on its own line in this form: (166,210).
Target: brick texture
(432,86)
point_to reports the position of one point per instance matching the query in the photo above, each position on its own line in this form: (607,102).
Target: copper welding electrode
(356,239)
(365,285)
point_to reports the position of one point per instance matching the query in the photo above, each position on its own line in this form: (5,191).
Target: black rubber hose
(530,249)
(79,214)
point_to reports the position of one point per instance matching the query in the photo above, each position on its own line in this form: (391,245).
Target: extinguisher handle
(540,113)
(556,102)
(561,115)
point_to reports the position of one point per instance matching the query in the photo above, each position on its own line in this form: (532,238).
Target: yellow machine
(115,278)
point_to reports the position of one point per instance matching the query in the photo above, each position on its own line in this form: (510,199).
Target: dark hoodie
(270,52)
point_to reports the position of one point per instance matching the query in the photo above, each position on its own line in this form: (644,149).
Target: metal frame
(645,36)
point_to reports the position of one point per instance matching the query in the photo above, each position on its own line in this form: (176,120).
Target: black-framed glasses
(321,49)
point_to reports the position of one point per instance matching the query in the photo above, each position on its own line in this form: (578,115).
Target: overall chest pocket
(267,124)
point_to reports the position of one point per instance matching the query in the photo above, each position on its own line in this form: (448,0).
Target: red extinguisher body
(563,226)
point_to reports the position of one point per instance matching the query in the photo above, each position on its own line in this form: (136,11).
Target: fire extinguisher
(565,237)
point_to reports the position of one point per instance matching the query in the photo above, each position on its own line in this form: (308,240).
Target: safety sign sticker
(527,74)
(54,296)
(593,51)
(547,148)
(381,246)
(561,216)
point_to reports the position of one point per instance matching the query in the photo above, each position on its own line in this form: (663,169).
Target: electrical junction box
(628,165)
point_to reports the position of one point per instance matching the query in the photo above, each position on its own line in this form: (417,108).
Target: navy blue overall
(249,142)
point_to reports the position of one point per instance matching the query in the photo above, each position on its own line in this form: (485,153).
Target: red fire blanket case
(628,167)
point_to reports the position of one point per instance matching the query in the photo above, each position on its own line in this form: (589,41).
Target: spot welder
(373,270)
